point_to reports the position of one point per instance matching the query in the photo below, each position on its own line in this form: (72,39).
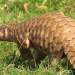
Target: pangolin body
(51,34)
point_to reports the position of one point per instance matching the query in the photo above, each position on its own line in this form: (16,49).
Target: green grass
(14,12)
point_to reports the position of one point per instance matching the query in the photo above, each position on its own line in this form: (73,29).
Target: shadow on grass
(19,61)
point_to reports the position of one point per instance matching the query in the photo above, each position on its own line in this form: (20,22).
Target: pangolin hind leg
(38,57)
(55,57)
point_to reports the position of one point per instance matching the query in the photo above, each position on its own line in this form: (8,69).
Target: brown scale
(50,34)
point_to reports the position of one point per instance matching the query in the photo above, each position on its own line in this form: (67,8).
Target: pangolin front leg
(24,48)
(55,57)
(25,53)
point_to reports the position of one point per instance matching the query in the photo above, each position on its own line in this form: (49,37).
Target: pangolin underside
(50,34)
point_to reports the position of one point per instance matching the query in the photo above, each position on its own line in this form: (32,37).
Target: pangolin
(49,34)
